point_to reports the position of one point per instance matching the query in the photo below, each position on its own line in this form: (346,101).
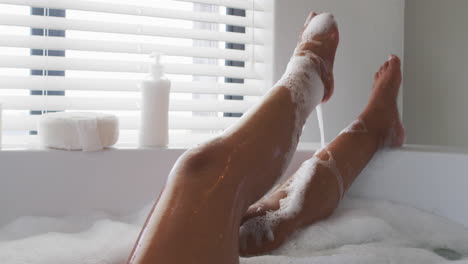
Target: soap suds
(357,126)
(303,74)
(262,226)
(307,90)
(303,80)
(382,230)
(331,165)
(360,231)
(320,24)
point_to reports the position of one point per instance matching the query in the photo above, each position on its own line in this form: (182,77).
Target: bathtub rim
(39,196)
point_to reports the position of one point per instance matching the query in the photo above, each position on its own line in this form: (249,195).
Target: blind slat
(51,83)
(126,28)
(242,4)
(29,122)
(58,43)
(59,103)
(129,9)
(64,63)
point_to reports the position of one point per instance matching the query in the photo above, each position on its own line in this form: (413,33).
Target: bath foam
(382,230)
(319,24)
(360,231)
(92,238)
(262,226)
(303,81)
(302,78)
(303,73)
(331,165)
(357,126)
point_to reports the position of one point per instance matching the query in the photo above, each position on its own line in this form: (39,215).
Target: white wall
(369,31)
(436,72)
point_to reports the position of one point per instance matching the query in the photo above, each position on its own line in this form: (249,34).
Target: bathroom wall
(370,30)
(436,72)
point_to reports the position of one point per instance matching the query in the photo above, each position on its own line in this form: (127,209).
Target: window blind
(106,43)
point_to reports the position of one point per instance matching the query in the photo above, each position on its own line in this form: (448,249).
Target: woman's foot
(258,233)
(309,74)
(262,231)
(320,39)
(381,114)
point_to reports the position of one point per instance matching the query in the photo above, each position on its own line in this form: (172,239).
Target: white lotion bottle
(154,121)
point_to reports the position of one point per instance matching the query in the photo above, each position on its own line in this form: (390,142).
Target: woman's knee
(205,159)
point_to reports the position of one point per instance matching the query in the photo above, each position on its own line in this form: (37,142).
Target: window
(90,55)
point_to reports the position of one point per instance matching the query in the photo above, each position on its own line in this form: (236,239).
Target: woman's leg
(315,190)
(198,215)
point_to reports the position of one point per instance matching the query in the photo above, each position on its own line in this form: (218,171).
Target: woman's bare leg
(198,215)
(315,190)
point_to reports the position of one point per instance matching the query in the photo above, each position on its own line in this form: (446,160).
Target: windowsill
(305,147)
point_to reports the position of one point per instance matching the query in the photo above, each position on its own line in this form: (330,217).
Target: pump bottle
(155,90)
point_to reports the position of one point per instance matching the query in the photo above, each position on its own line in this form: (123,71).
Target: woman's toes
(394,60)
(383,111)
(385,66)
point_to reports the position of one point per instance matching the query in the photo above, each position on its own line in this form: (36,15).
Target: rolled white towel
(78,130)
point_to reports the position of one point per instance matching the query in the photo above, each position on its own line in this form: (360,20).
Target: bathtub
(56,183)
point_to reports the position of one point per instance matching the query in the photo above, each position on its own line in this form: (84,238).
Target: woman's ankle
(384,125)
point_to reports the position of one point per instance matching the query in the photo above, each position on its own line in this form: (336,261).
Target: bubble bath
(360,231)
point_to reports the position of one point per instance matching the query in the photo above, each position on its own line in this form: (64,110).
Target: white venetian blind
(90,55)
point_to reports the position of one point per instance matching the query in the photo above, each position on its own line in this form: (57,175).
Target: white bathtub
(56,183)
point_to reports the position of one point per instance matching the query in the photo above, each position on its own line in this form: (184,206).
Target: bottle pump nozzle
(156,69)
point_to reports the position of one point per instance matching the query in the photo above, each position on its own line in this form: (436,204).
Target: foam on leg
(330,163)
(302,78)
(357,126)
(306,72)
(262,226)
(320,24)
